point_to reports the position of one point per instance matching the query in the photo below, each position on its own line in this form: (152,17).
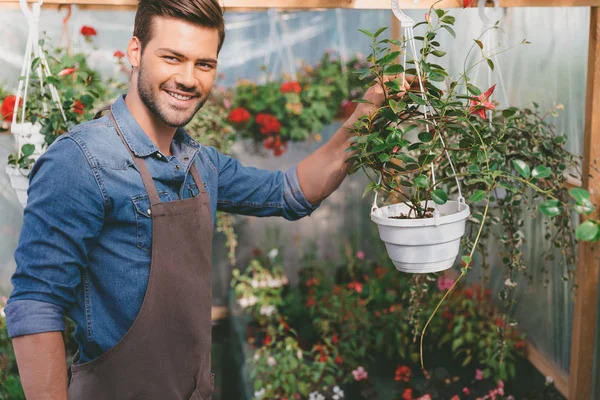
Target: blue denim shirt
(85,245)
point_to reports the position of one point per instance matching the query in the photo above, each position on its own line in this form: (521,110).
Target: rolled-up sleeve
(63,217)
(258,192)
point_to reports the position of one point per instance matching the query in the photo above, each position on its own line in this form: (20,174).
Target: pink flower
(4,300)
(66,71)
(360,255)
(426,397)
(466,391)
(479,374)
(227,103)
(482,103)
(455,397)
(500,384)
(427,18)
(444,283)
(360,374)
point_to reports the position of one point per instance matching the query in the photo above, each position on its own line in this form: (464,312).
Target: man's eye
(171,59)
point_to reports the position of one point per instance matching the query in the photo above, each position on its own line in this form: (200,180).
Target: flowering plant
(294,109)
(80,89)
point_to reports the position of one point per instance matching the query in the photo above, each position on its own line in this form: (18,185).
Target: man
(118,229)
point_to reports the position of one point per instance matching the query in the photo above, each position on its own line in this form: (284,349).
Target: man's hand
(376,96)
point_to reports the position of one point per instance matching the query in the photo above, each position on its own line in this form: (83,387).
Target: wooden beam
(548,368)
(255,5)
(586,297)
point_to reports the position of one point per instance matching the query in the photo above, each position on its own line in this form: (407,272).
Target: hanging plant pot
(28,133)
(19,180)
(422,245)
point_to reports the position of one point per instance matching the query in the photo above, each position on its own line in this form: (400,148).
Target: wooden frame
(578,384)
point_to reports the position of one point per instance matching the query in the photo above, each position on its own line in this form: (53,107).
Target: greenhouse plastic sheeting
(550,71)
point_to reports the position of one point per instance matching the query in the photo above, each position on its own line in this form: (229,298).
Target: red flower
(334,339)
(469,293)
(311,302)
(312,282)
(520,345)
(338,360)
(499,322)
(407,394)
(380,271)
(482,103)
(78,107)
(8,107)
(323,358)
(279,147)
(267,340)
(119,54)
(290,87)
(67,71)
(238,115)
(403,373)
(357,286)
(268,123)
(88,31)
(269,142)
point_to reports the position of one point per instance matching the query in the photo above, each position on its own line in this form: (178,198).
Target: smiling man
(117,232)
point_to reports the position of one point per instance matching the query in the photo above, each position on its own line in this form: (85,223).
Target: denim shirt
(85,244)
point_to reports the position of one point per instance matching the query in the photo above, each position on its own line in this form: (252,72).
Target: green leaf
(477,196)
(397,106)
(466,261)
(440,13)
(27,150)
(439,196)
(422,181)
(457,343)
(438,53)
(435,77)
(479,43)
(366,32)
(384,157)
(522,167)
(394,69)
(509,112)
(581,196)
(450,30)
(490,64)
(449,19)
(388,58)
(473,169)
(473,89)
(416,99)
(379,32)
(551,208)
(541,172)
(425,137)
(587,231)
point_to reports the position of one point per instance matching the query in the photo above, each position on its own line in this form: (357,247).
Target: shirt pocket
(143,218)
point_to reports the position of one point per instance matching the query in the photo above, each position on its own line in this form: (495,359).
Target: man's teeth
(180,97)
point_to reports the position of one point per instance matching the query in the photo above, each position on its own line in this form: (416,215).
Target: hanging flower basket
(422,245)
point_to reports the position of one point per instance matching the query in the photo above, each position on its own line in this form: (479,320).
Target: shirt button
(149,212)
(177,167)
(158,155)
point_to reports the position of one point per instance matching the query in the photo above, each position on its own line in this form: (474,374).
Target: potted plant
(55,100)
(415,149)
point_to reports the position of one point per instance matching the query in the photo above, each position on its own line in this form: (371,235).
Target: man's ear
(134,52)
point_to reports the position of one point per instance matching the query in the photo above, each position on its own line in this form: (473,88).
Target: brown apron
(165,355)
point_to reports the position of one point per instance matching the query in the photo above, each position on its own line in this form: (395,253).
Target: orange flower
(8,107)
(78,107)
(482,103)
(407,394)
(119,54)
(67,71)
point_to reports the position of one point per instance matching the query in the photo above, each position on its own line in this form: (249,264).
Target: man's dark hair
(206,13)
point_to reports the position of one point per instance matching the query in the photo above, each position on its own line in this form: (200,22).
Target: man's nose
(186,77)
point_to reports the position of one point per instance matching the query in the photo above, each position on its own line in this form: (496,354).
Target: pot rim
(422,222)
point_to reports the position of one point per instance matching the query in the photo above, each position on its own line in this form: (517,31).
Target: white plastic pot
(422,245)
(19,180)
(28,133)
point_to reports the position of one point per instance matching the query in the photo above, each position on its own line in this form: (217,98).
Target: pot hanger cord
(407,24)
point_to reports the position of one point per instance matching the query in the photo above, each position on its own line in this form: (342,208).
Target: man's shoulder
(99,141)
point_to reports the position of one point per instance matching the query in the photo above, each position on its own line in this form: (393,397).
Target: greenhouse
(299,199)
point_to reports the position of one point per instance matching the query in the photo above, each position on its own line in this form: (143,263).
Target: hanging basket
(422,245)
(19,180)
(28,133)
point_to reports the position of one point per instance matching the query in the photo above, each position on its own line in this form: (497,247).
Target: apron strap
(141,164)
(197,179)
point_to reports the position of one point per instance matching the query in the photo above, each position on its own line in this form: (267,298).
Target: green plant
(406,144)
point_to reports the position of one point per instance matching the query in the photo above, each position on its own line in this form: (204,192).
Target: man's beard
(166,113)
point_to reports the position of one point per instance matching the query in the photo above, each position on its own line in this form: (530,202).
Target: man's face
(177,69)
